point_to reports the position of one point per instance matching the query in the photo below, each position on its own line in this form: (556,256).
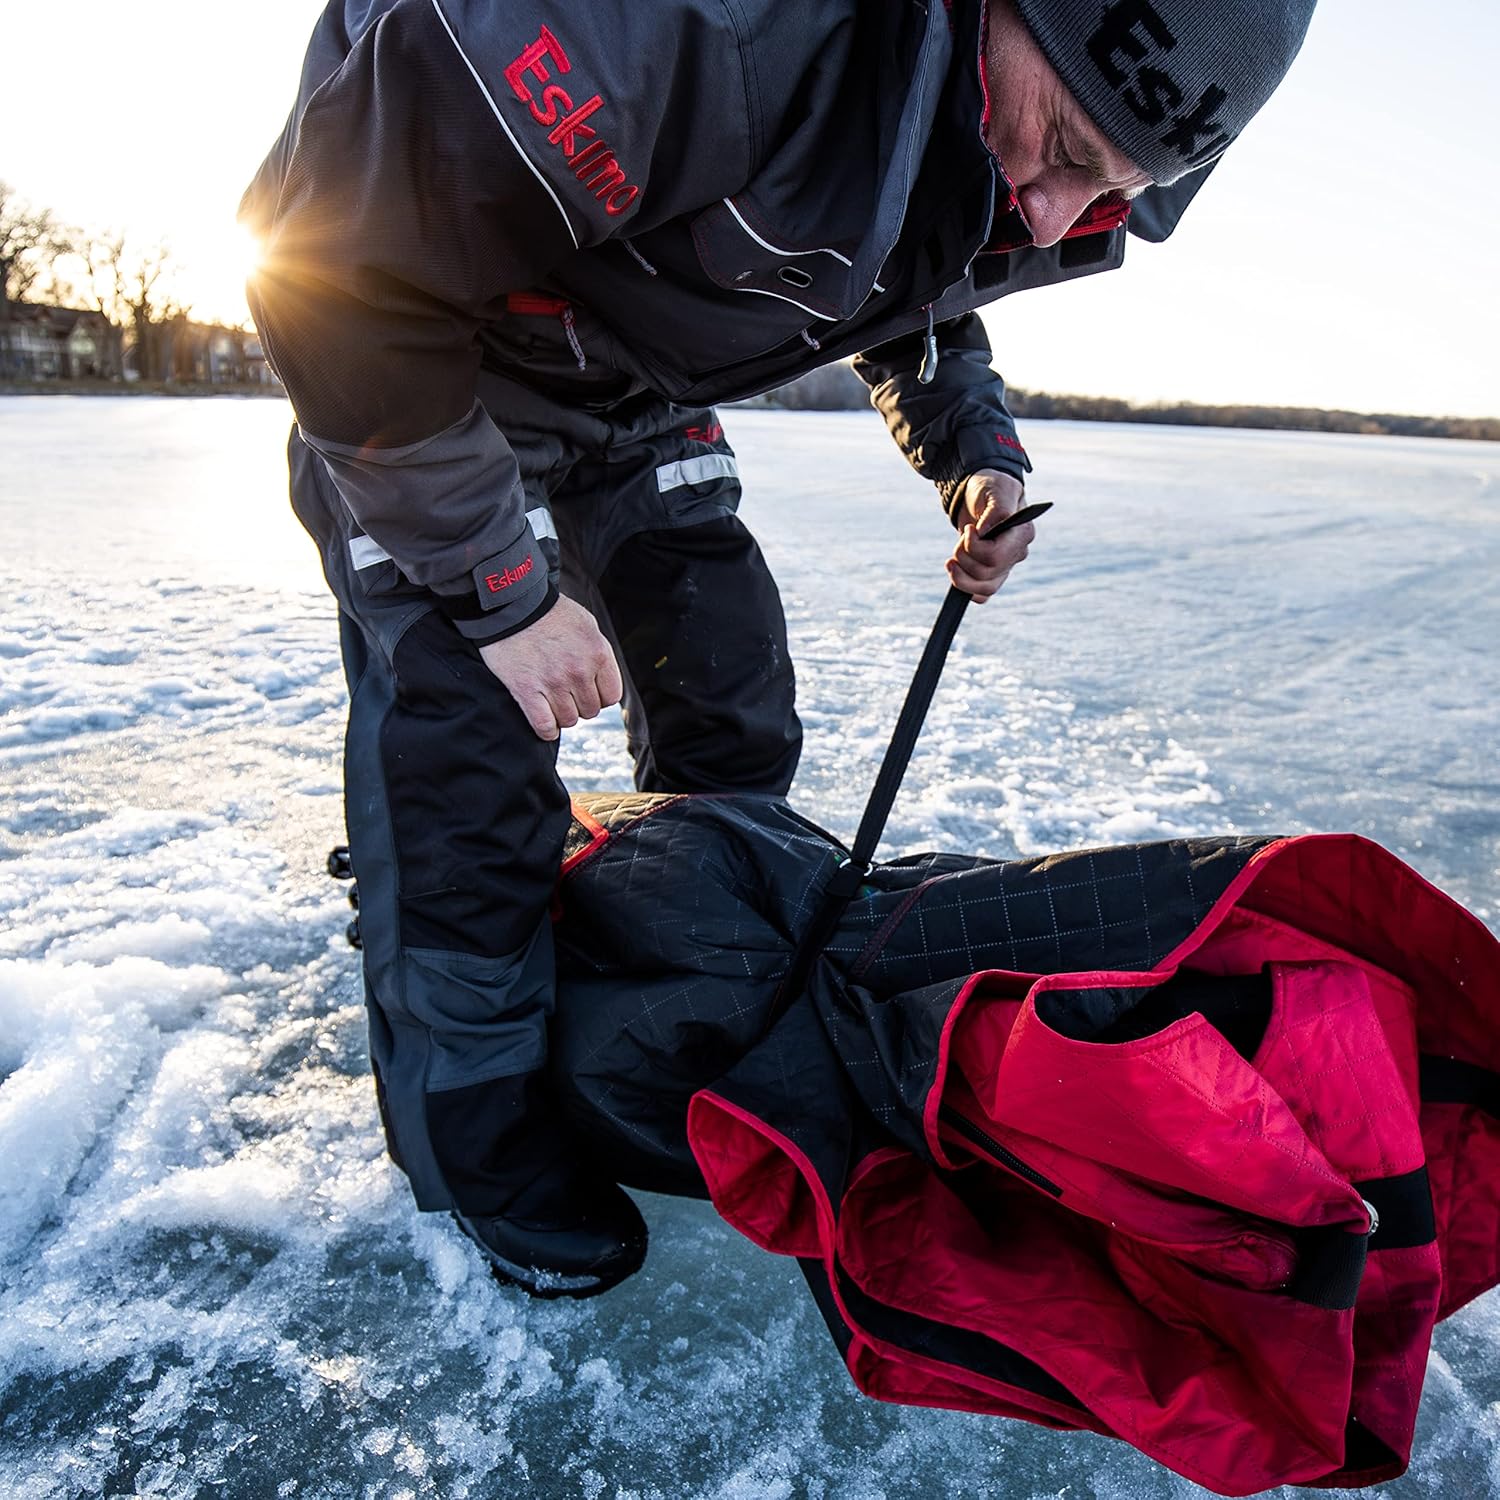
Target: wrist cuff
(507,590)
(974,448)
(485,632)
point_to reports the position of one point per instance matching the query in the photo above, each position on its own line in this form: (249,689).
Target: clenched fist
(976,567)
(559,670)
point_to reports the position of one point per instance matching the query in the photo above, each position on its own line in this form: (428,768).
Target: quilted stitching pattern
(1094,909)
(1463,1155)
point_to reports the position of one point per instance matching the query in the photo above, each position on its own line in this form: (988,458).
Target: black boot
(576,1242)
(544,1222)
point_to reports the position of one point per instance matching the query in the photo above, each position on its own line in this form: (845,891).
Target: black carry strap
(850,875)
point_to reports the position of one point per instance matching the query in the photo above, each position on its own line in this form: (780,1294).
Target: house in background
(41,343)
(211,354)
(38,342)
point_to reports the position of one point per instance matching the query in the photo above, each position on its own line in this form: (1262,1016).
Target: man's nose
(1052,207)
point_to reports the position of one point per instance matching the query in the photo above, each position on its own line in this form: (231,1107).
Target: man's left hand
(976,567)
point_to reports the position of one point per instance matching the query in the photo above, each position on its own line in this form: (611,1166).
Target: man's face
(1056,158)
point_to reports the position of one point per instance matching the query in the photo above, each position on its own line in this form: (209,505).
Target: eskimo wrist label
(513,579)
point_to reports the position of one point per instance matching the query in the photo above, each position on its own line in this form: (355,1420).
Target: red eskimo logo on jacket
(591,158)
(495,582)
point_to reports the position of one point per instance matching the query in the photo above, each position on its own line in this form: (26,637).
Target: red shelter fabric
(1227,1245)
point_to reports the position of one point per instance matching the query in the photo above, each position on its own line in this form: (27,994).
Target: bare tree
(103,290)
(141,282)
(132,285)
(103,258)
(31,241)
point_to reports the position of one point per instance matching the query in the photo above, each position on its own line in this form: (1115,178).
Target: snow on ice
(212,1280)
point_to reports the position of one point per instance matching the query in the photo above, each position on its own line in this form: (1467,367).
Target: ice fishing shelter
(1189,1143)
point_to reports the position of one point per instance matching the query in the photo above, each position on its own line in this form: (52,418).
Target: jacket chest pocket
(552,337)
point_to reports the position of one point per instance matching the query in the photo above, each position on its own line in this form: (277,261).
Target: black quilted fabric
(673,934)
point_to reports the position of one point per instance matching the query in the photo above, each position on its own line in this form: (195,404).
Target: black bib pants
(456,816)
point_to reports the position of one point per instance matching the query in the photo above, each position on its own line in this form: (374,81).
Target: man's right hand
(559,670)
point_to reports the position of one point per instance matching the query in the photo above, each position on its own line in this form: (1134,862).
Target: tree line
(837,388)
(130,283)
(1043,405)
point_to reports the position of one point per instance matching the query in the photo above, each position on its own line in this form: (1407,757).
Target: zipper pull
(929,353)
(645,264)
(567,322)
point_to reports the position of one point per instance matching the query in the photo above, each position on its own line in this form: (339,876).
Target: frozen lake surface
(211,1280)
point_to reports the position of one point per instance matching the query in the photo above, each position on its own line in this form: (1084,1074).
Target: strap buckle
(847,879)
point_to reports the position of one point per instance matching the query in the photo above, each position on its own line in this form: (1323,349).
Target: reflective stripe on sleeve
(541,523)
(366,552)
(696,471)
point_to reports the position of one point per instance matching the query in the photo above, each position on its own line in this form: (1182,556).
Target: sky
(1344,253)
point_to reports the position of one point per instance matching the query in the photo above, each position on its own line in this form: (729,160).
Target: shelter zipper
(1001,1155)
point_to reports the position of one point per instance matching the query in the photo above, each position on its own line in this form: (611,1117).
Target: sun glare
(242,251)
(215,267)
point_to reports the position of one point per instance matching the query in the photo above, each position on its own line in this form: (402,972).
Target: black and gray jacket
(716,195)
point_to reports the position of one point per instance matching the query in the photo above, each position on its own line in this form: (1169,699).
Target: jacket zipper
(1096,221)
(645,264)
(1002,1155)
(534,304)
(573,344)
(929,351)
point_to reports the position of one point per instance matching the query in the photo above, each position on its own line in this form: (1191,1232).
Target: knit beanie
(1169,82)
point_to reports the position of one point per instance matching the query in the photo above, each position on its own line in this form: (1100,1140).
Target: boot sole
(547,1286)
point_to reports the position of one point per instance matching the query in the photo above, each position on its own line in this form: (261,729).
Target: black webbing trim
(1331,1259)
(962,1348)
(1365,1454)
(1330,1264)
(816,1276)
(841,889)
(1446,1080)
(1403,1206)
(844,885)
(909,725)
